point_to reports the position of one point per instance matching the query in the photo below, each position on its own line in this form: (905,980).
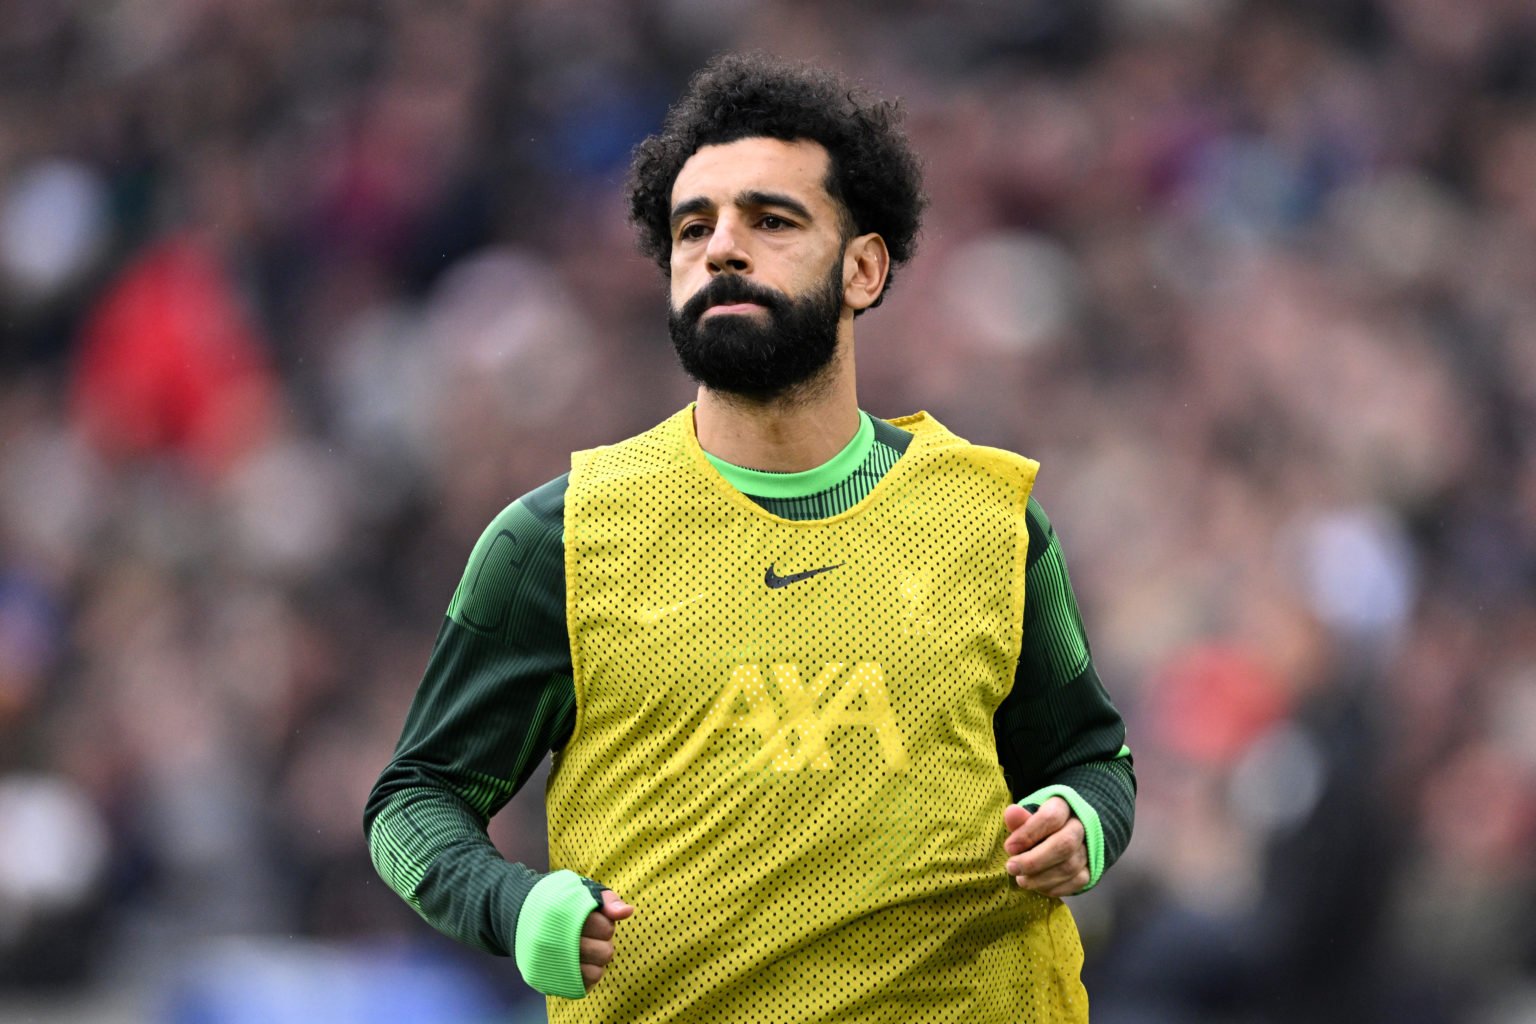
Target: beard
(753,357)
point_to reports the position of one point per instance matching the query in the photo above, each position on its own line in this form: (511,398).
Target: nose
(725,250)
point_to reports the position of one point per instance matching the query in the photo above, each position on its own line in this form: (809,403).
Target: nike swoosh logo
(776,581)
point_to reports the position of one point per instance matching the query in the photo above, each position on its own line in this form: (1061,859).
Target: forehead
(761,164)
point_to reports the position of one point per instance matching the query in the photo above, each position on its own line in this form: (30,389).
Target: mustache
(727,289)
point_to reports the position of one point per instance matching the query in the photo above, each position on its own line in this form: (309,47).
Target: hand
(1049,848)
(597,937)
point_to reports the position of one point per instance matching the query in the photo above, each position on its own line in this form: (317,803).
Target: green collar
(762,484)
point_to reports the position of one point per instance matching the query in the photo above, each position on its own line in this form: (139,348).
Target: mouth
(732,308)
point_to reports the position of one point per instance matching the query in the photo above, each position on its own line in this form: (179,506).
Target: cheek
(685,280)
(681,288)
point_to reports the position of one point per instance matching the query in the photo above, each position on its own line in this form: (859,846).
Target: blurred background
(297,294)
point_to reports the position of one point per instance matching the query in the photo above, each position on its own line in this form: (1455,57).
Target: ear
(866,261)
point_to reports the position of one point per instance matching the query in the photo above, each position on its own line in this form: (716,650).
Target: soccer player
(828,742)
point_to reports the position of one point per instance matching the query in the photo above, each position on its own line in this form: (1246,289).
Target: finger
(1066,846)
(1014,818)
(596,951)
(1058,878)
(1054,868)
(597,927)
(1061,880)
(614,907)
(1051,816)
(1069,886)
(591,974)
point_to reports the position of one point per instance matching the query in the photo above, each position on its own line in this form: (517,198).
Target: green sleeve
(1058,732)
(496,696)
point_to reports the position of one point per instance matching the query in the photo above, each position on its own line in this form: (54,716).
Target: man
(795,663)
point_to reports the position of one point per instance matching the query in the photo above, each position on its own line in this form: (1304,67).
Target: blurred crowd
(297,294)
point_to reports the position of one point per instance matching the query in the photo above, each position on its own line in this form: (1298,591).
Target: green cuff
(548,943)
(1093,831)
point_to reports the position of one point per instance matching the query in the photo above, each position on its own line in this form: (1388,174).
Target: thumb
(614,908)
(1014,817)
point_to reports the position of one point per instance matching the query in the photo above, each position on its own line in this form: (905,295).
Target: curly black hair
(873,172)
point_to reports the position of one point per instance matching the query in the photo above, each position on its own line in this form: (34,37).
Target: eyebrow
(688,207)
(750,197)
(753,197)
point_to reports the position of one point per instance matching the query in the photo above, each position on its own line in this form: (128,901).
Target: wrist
(548,942)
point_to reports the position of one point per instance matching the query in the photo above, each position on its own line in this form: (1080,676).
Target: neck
(787,434)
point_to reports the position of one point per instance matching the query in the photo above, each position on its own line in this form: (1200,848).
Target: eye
(692,231)
(773,222)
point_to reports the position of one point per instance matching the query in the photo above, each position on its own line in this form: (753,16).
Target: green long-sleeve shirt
(498,695)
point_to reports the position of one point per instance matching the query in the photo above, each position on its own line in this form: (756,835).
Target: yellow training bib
(783,755)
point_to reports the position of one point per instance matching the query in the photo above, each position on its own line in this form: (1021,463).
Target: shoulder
(656,451)
(537,516)
(1044,541)
(518,556)
(937,439)
(1039,523)
(546,503)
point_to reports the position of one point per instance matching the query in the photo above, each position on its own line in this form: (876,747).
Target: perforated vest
(783,754)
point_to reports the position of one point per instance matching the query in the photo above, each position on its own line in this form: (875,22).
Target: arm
(1060,740)
(495,697)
